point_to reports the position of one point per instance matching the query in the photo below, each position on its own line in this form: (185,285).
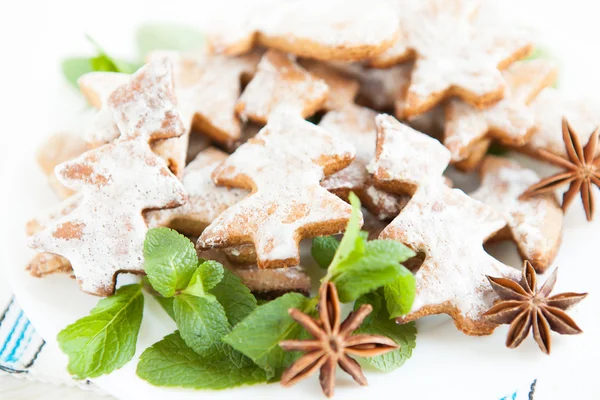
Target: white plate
(445,364)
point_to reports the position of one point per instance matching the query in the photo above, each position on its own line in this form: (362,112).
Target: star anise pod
(332,343)
(525,307)
(582,170)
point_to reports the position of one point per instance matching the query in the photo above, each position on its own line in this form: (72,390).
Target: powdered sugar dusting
(98,86)
(510,120)
(283,165)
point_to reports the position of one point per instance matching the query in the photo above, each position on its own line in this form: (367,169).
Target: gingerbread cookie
(283,166)
(205,200)
(342,87)
(332,30)
(281,83)
(356,125)
(455,53)
(444,224)
(105,233)
(534,224)
(57,149)
(510,121)
(549,107)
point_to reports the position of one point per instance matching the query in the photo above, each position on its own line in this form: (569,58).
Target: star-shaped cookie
(331,30)
(283,166)
(105,233)
(510,121)
(455,52)
(356,125)
(534,224)
(205,199)
(445,224)
(281,83)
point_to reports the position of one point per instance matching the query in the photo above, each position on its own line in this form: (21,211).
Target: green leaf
(351,242)
(202,322)
(105,340)
(167,36)
(74,67)
(400,294)
(235,297)
(170,260)
(380,323)
(206,277)
(258,335)
(167,304)
(323,250)
(172,363)
(377,266)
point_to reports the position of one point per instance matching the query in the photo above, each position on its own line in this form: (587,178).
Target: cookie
(534,224)
(283,166)
(44,264)
(242,255)
(205,200)
(280,82)
(455,53)
(356,125)
(445,225)
(55,150)
(105,233)
(510,121)
(331,30)
(549,108)
(342,87)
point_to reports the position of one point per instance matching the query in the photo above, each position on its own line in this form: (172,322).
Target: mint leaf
(170,260)
(172,363)
(201,321)
(377,266)
(400,294)
(75,67)
(258,335)
(167,36)
(351,242)
(235,297)
(206,277)
(379,323)
(167,304)
(105,340)
(323,250)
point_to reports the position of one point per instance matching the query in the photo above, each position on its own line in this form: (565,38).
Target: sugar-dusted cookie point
(510,121)
(283,166)
(406,158)
(550,107)
(356,125)
(534,224)
(456,52)
(205,200)
(281,83)
(330,30)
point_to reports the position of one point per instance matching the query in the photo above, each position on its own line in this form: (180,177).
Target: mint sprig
(379,323)
(106,339)
(323,250)
(235,297)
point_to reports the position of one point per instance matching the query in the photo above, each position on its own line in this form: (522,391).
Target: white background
(34,101)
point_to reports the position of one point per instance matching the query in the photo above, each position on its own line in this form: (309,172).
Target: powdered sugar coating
(356,125)
(281,82)
(535,223)
(342,88)
(406,157)
(456,54)
(283,165)
(97,86)
(510,120)
(334,29)
(205,200)
(550,107)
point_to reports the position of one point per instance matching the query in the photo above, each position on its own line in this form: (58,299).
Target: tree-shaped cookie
(283,166)
(455,52)
(534,224)
(205,200)
(279,83)
(330,30)
(104,235)
(510,121)
(550,107)
(356,125)
(445,224)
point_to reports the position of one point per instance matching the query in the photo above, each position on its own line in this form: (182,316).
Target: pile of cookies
(256,143)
